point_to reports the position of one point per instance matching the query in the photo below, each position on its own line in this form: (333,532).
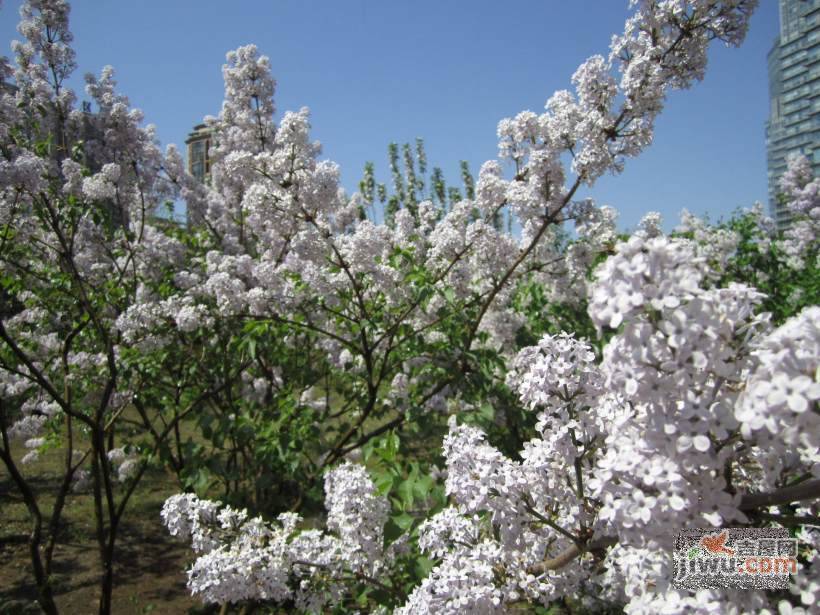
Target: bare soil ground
(149,567)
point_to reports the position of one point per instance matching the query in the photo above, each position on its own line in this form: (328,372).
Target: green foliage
(410,186)
(414,495)
(761,263)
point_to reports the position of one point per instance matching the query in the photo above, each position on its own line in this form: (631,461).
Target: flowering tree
(675,427)
(594,395)
(317,266)
(411,315)
(78,247)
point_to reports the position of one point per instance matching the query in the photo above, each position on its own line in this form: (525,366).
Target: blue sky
(374,72)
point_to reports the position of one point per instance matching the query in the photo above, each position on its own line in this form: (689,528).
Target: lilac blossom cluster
(242,559)
(356,515)
(125,462)
(801,191)
(696,402)
(777,410)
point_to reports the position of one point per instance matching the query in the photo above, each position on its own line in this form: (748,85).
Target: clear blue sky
(374,72)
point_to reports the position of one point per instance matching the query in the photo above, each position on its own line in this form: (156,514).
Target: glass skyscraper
(794,93)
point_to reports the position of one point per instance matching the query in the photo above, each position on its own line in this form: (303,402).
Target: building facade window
(794,92)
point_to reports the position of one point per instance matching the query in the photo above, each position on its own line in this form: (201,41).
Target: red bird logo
(715,543)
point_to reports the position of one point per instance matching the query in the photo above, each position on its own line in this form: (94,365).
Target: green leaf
(423,567)
(384,483)
(392,531)
(422,487)
(486,412)
(405,492)
(392,444)
(403,520)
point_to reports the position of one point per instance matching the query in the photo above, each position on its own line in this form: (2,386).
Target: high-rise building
(794,93)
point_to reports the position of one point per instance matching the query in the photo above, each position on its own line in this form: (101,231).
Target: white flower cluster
(33,445)
(102,185)
(802,193)
(634,448)
(716,246)
(652,272)
(487,563)
(28,427)
(486,560)
(778,409)
(125,461)
(239,559)
(463,583)
(560,371)
(800,187)
(35,412)
(357,515)
(678,365)
(248,559)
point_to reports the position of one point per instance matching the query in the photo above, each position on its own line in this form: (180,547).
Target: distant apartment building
(199,164)
(794,93)
(199,145)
